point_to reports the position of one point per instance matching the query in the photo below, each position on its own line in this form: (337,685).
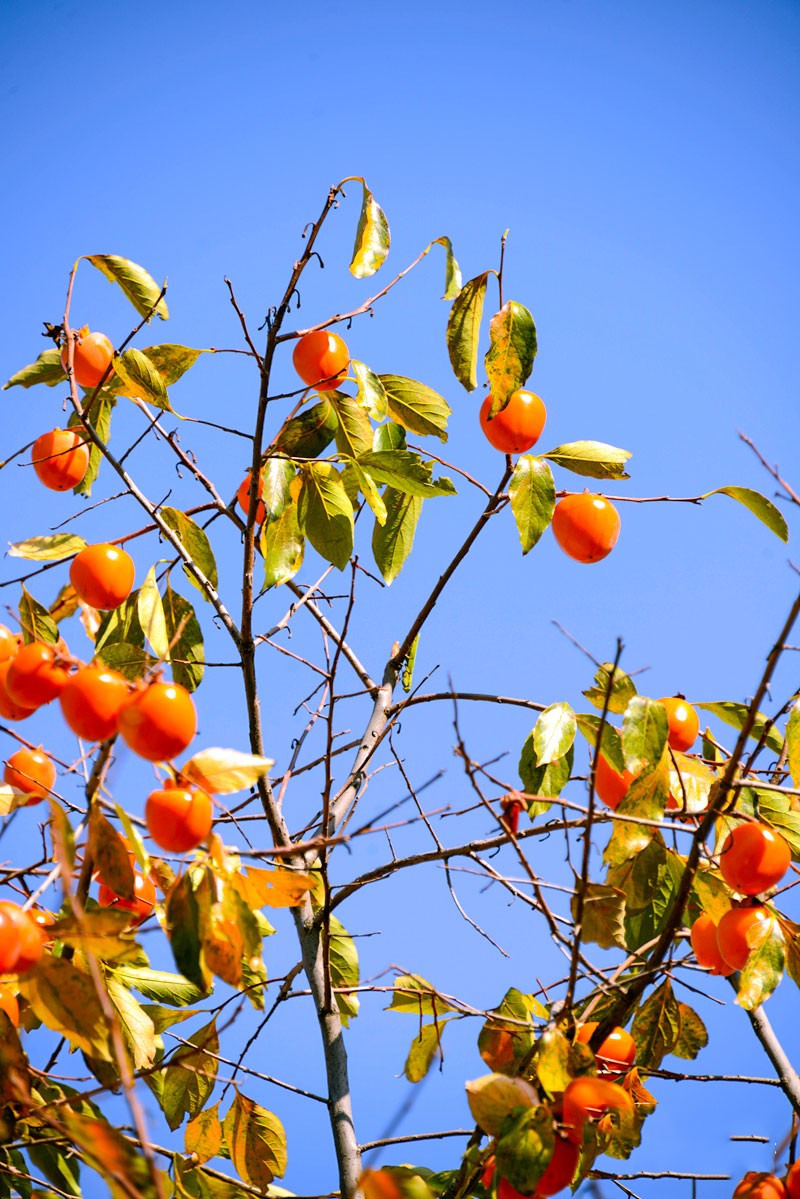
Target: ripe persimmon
(243,498)
(321,359)
(703,936)
(29,940)
(611,786)
(60,459)
(9,708)
(91,357)
(558,1173)
(102,575)
(31,771)
(792,1181)
(588,1098)
(142,904)
(9,1005)
(616,1053)
(736,928)
(92,700)
(9,941)
(586,526)
(9,643)
(683,721)
(179,818)
(159,721)
(754,858)
(519,426)
(35,675)
(760,1185)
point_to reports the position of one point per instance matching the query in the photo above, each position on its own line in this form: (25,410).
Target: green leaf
(138,286)
(325,513)
(690,782)
(415,995)
(283,547)
(35,621)
(187,655)
(546,781)
(344,969)
(120,625)
(405,471)
(525,1147)
(552,1061)
(46,369)
(159,985)
(591,458)
(186,908)
(191,1075)
(256,1141)
(656,1027)
(65,1000)
(736,714)
(611,741)
(392,541)
(425,1048)
(138,1030)
(389,436)
(48,549)
(407,676)
(693,1035)
(276,476)
(99,417)
(371,395)
(603,915)
(151,616)
(415,406)
(122,1168)
(110,854)
(765,965)
(648,881)
(793,744)
(452,271)
(309,434)
(172,361)
(554,733)
(463,330)
(619,693)
(141,379)
(533,499)
(195,541)
(59,1166)
(512,349)
(357,479)
(372,235)
(644,733)
(759,505)
(354,431)
(646,798)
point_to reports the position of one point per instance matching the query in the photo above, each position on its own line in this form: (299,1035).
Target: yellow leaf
(272,888)
(223,771)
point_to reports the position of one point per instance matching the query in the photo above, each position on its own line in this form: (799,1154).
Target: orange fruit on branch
(756,1185)
(586,526)
(734,929)
(36,675)
(610,786)
(792,1181)
(9,708)
(31,771)
(92,700)
(29,939)
(243,498)
(142,904)
(9,941)
(703,936)
(60,459)
(159,721)
(518,426)
(754,858)
(9,643)
(179,818)
(683,721)
(588,1098)
(321,359)
(102,575)
(91,357)
(616,1053)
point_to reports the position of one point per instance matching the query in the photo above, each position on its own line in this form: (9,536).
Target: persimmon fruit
(760,1185)
(9,941)
(611,786)
(9,643)
(35,675)
(586,526)
(616,1053)
(29,939)
(179,818)
(754,858)
(159,721)
(60,459)
(518,426)
(140,906)
(734,930)
(92,700)
(792,1181)
(31,771)
(703,936)
(321,359)
(683,721)
(9,708)
(558,1173)
(102,575)
(91,357)
(588,1098)
(243,498)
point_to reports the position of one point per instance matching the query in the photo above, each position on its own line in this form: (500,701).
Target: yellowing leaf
(48,549)
(272,888)
(494,1096)
(223,771)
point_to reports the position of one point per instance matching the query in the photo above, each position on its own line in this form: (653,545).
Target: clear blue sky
(645,159)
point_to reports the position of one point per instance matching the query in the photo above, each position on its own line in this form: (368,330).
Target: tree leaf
(187,904)
(621,691)
(344,969)
(533,499)
(554,733)
(195,541)
(372,235)
(415,406)
(35,621)
(644,733)
(759,505)
(325,513)
(354,429)
(99,417)
(494,1097)
(452,271)
(764,967)
(507,1036)
(793,744)
(110,854)
(138,1030)
(277,474)
(151,616)
(646,797)
(357,479)
(693,1035)
(256,1141)
(371,395)
(690,782)
(309,434)
(203,1136)
(141,379)
(425,1048)
(591,458)
(736,714)
(389,436)
(159,985)
(611,740)
(225,771)
(552,1061)
(648,881)
(124,1170)
(65,1000)
(603,915)
(415,995)
(187,655)
(656,1027)
(282,546)
(392,541)
(512,349)
(545,781)
(48,549)
(404,471)
(138,286)
(59,1166)
(525,1147)
(46,369)
(172,361)
(190,1075)
(463,330)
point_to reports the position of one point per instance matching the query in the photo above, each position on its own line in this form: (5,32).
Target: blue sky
(645,159)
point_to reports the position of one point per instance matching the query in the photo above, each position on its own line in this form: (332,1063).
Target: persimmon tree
(122,926)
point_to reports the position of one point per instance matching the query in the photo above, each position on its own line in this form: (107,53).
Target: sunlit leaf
(141,379)
(552,1061)
(617,693)
(203,1135)
(48,549)
(759,505)
(110,854)
(415,995)
(463,330)
(425,1049)
(354,429)
(693,1035)
(172,361)
(657,1026)
(736,714)
(495,1096)
(406,472)
(46,369)
(136,283)
(372,235)
(392,541)
(280,888)
(325,513)
(190,1076)
(151,615)
(187,655)
(533,499)
(591,458)
(512,349)
(195,541)
(65,1000)
(224,771)
(644,733)
(371,395)
(35,621)
(416,406)
(603,920)
(554,733)
(309,434)
(282,546)
(765,964)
